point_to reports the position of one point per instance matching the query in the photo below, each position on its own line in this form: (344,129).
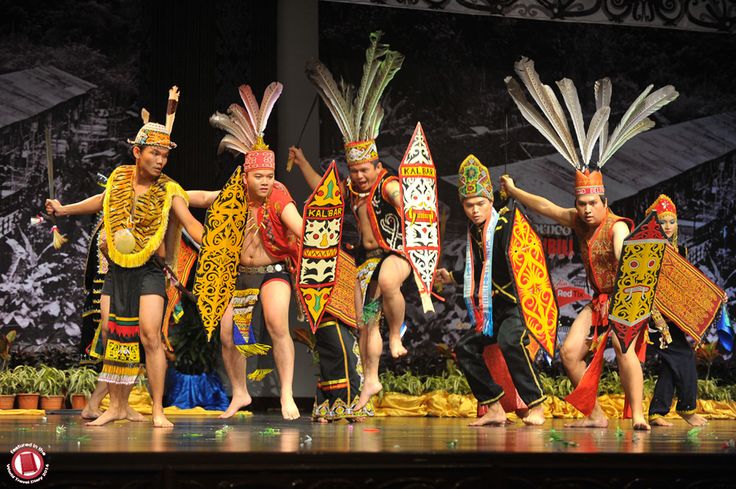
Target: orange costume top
(597,252)
(278,241)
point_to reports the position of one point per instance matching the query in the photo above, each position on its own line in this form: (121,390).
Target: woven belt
(377,253)
(273,267)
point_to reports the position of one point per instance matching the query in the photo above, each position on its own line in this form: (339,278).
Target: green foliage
(81,380)
(451,381)
(709,389)
(8,383)
(27,379)
(51,381)
(194,354)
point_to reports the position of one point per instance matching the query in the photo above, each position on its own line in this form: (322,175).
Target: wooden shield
(636,280)
(317,267)
(420,221)
(219,255)
(537,300)
(686,297)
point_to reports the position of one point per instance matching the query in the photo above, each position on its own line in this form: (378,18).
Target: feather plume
(328,90)
(640,110)
(603,91)
(270,96)
(145,115)
(376,123)
(233,144)
(627,115)
(390,65)
(370,68)
(535,118)
(544,96)
(224,122)
(251,104)
(240,118)
(615,145)
(572,101)
(595,129)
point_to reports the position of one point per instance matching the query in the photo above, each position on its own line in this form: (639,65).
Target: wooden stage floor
(264,451)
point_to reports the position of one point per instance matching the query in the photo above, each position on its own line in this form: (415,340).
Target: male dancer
(268,232)
(486,285)
(599,231)
(144,211)
(375,198)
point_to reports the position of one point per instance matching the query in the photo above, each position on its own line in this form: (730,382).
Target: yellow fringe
(124,174)
(254,349)
(259,374)
(59,239)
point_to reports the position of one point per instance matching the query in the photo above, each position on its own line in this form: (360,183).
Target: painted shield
(219,255)
(420,221)
(636,280)
(532,282)
(317,267)
(686,297)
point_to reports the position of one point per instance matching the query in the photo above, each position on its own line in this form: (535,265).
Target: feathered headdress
(245,127)
(358,115)
(553,125)
(154,134)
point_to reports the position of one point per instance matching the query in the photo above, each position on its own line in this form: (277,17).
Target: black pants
(512,338)
(676,372)
(340,373)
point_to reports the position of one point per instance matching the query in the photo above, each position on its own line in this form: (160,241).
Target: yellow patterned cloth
(442,404)
(140,400)
(149,223)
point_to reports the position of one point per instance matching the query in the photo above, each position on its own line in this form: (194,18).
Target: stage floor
(265,451)
(269,433)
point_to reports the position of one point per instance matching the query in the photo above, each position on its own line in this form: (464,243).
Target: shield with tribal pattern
(219,255)
(532,282)
(420,220)
(322,230)
(636,280)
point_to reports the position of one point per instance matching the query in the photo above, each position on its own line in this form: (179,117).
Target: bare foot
(396,347)
(589,422)
(236,404)
(160,421)
(289,411)
(108,416)
(640,424)
(369,390)
(534,416)
(660,422)
(495,416)
(89,413)
(134,416)
(694,419)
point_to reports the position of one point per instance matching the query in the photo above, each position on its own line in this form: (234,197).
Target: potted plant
(27,385)
(8,389)
(81,381)
(51,382)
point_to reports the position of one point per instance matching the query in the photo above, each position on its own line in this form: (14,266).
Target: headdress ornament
(245,126)
(155,134)
(474,180)
(553,125)
(358,115)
